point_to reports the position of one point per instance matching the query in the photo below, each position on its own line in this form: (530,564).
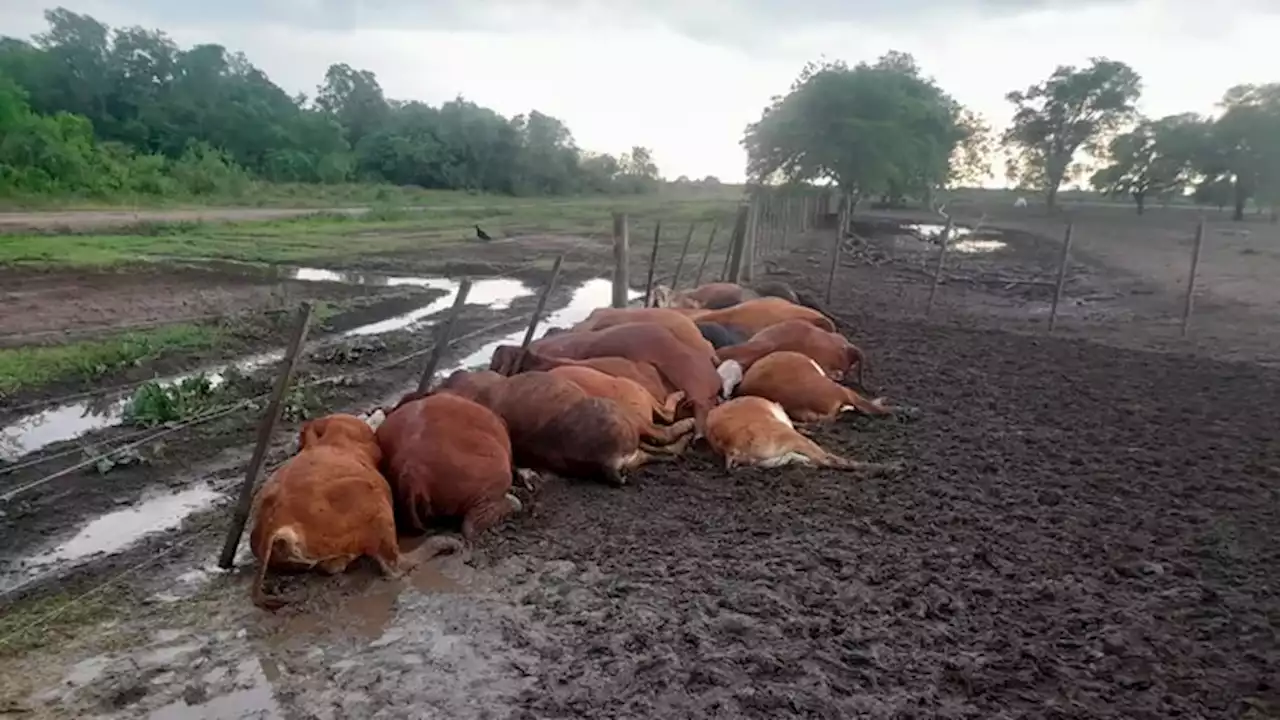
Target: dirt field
(1084,529)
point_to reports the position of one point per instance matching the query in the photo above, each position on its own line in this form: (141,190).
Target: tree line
(85,108)
(883,129)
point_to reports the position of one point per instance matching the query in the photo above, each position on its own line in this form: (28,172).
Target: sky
(684,77)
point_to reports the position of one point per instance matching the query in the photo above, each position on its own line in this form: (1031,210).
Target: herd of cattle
(741,368)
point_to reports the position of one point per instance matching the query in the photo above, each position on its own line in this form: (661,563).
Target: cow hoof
(514,502)
(528,478)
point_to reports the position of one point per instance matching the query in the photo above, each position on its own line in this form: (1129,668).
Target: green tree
(1074,108)
(1155,159)
(1243,147)
(880,128)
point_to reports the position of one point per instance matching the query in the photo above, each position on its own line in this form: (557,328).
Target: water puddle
(961,241)
(72,420)
(251,696)
(114,531)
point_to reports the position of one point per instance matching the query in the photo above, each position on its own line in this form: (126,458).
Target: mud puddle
(68,421)
(110,533)
(963,239)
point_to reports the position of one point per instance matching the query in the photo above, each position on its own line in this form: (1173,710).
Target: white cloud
(685,77)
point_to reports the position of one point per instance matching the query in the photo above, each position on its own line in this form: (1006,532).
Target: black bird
(482,234)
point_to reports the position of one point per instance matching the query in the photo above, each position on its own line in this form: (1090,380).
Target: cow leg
(526,477)
(666,412)
(854,401)
(802,450)
(429,549)
(670,449)
(486,514)
(335,564)
(665,435)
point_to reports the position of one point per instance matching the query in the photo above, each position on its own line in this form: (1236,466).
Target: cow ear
(311,432)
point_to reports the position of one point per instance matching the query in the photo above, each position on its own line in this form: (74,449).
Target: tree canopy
(1155,159)
(88,108)
(879,128)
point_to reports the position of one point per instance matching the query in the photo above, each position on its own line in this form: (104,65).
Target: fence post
(266,428)
(542,303)
(621,252)
(945,240)
(675,277)
(653,260)
(745,272)
(1062,276)
(1191,279)
(737,244)
(787,219)
(835,252)
(443,334)
(711,240)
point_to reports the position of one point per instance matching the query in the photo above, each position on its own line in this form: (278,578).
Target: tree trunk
(1141,200)
(1241,198)
(1051,197)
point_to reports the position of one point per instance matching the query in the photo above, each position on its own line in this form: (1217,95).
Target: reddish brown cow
(754,316)
(795,382)
(678,323)
(447,456)
(555,425)
(636,401)
(756,431)
(325,507)
(506,361)
(683,368)
(711,296)
(833,353)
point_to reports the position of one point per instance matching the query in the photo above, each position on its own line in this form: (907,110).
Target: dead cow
(802,389)
(556,426)
(831,351)
(679,324)
(754,316)
(507,360)
(716,296)
(325,507)
(683,368)
(447,456)
(756,431)
(640,407)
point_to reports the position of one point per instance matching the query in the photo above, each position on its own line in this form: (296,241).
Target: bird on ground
(482,234)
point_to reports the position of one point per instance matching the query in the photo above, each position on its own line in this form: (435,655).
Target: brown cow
(682,367)
(506,361)
(833,353)
(795,382)
(756,431)
(327,506)
(716,296)
(676,322)
(636,401)
(555,425)
(447,456)
(754,316)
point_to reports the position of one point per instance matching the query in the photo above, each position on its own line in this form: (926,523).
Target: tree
(880,128)
(1155,159)
(1243,147)
(1074,108)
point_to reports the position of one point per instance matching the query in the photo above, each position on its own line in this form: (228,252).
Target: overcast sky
(685,76)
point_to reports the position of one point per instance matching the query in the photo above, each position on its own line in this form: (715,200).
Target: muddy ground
(1083,530)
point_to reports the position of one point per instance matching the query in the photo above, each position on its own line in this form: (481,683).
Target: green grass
(33,366)
(384,229)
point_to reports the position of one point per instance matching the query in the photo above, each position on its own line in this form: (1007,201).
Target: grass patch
(22,629)
(28,367)
(383,228)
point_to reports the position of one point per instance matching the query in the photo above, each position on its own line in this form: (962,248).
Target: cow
(799,385)
(755,431)
(721,336)
(446,456)
(680,325)
(327,506)
(681,367)
(509,360)
(831,351)
(556,426)
(716,296)
(639,405)
(754,316)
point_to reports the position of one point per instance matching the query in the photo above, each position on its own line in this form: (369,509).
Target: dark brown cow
(833,353)
(506,361)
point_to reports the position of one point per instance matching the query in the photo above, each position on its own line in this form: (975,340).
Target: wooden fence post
(244,503)
(675,277)
(621,256)
(542,303)
(444,333)
(1191,279)
(737,244)
(787,219)
(945,242)
(835,253)
(653,260)
(745,272)
(1063,261)
(706,253)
